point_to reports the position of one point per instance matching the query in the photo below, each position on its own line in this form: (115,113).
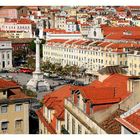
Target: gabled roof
(55,99)
(55,102)
(104,94)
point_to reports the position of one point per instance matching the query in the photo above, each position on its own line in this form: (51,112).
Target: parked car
(78,83)
(25,70)
(53,76)
(69,81)
(59,78)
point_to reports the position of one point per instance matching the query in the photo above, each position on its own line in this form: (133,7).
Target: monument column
(37,42)
(37,82)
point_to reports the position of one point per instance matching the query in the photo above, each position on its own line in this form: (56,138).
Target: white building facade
(83,53)
(5,54)
(16,27)
(134,63)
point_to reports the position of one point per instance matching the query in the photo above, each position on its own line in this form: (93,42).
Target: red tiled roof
(57,40)
(132,121)
(119,82)
(93,93)
(17,94)
(112,90)
(45,122)
(7,83)
(121,36)
(96,83)
(55,101)
(20,21)
(14,91)
(134,7)
(110,29)
(120,9)
(58,31)
(71,41)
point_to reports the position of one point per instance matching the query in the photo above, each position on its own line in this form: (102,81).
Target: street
(23,78)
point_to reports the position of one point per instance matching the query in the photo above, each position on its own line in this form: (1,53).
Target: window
(18,107)
(8,62)
(18,123)
(3,56)
(3,108)
(8,56)
(79,129)
(126,63)
(4,92)
(4,125)
(135,72)
(73,126)
(95,33)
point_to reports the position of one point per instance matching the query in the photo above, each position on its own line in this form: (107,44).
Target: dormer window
(85,100)
(77,92)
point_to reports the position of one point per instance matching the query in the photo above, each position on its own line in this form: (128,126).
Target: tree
(32,46)
(31,62)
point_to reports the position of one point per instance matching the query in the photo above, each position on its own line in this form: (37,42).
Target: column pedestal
(38,83)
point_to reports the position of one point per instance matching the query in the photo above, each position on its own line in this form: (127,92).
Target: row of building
(93,55)
(109,105)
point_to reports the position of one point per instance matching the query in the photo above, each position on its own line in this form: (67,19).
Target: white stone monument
(38,83)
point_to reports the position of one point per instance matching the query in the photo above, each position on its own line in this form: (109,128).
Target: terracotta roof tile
(132,121)
(7,84)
